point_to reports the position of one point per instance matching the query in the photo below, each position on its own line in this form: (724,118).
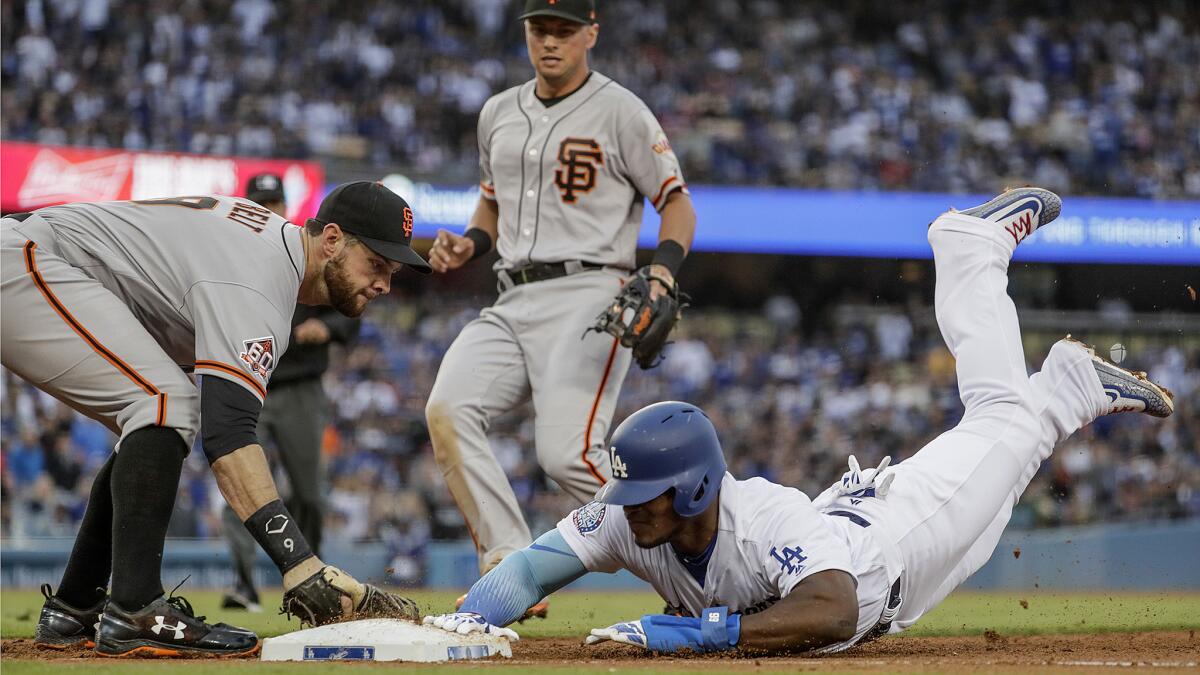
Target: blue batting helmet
(663,446)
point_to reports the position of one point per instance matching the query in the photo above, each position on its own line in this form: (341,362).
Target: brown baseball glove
(640,323)
(318,600)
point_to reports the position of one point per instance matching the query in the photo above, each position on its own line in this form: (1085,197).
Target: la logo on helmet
(618,467)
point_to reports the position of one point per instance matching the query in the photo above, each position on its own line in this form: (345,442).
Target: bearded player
(758,566)
(107,307)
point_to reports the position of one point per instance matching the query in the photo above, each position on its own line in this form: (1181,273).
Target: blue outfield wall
(1140,556)
(876,224)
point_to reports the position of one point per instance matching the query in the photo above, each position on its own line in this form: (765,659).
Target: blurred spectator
(788,409)
(1100,97)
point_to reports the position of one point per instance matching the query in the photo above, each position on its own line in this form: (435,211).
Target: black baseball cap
(582,11)
(380,218)
(264,188)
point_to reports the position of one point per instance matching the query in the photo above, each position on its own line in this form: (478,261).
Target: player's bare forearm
(245,480)
(678,220)
(821,610)
(678,226)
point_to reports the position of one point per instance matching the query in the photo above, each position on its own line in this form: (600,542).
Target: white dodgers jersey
(769,539)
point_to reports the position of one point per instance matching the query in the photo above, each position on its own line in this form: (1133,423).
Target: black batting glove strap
(276,532)
(669,254)
(483,241)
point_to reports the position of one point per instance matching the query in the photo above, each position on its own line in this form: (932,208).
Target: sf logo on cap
(618,467)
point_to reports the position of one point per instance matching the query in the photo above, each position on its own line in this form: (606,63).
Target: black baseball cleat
(241,598)
(169,627)
(62,626)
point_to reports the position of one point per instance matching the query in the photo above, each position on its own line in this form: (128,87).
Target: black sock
(145,479)
(86,578)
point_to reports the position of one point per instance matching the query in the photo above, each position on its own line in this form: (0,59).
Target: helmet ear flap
(698,495)
(689,505)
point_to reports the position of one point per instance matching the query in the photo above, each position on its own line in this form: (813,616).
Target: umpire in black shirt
(294,417)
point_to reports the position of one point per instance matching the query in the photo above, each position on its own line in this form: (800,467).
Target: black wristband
(669,254)
(483,241)
(276,532)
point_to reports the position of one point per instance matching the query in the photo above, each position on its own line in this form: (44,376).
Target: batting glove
(856,482)
(718,631)
(465,623)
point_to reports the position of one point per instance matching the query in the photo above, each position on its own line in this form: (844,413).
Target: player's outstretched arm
(520,581)
(315,592)
(821,610)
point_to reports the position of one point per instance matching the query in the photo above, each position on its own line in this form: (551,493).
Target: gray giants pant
(293,417)
(531,343)
(69,336)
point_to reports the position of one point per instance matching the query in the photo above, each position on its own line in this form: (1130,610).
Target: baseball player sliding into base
(567,161)
(107,307)
(758,566)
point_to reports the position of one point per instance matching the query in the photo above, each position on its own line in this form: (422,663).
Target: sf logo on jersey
(579,159)
(259,355)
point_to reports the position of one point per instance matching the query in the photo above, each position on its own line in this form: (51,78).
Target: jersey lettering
(789,559)
(579,159)
(252,216)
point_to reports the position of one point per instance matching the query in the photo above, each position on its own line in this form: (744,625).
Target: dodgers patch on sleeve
(588,517)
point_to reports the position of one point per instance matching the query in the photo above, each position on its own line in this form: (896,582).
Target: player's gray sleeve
(483,135)
(650,162)
(523,578)
(240,333)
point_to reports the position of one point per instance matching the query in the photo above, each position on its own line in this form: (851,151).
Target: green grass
(970,613)
(572,614)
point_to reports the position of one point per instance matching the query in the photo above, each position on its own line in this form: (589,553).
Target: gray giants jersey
(569,178)
(213,279)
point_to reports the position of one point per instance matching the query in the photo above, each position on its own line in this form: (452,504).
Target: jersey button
(529,193)
(527,232)
(545,118)
(532,152)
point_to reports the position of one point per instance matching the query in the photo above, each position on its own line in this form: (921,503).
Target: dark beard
(342,294)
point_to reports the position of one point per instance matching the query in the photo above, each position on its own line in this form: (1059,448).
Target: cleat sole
(142,649)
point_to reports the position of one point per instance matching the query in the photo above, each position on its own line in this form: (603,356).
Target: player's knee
(446,419)
(173,406)
(561,456)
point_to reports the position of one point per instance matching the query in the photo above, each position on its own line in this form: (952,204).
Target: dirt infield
(990,652)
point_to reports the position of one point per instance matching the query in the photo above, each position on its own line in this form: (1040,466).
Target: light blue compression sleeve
(524,578)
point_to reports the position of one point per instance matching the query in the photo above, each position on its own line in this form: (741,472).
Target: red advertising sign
(33,176)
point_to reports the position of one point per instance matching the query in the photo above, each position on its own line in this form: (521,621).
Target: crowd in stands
(1098,97)
(789,408)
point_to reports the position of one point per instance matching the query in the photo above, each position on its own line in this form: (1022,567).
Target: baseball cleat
(168,627)
(538,611)
(238,599)
(1020,211)
(62,626)
(1129,390)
